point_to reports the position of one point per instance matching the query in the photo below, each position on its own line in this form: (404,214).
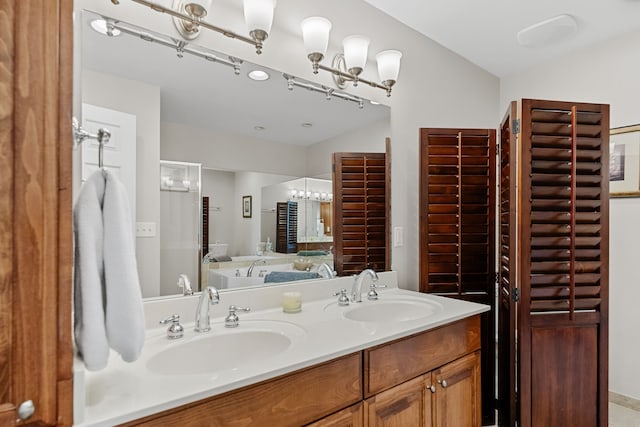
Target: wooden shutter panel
(361,212)
(457,228)
(287,227)
(557,240)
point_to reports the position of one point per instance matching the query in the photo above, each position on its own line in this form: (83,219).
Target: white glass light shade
(258,14)
(388,65)
(197,8)
(315,33)
(355,51)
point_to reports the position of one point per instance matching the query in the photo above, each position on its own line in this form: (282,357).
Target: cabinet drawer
(393,363)
(291,400)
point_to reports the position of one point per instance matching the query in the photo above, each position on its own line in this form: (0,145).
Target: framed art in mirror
(624,161)
(246,206)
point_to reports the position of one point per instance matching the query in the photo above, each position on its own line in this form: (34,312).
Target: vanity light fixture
(348,66)
(188,17)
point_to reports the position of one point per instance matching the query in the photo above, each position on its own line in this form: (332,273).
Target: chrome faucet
(185,284)
(253,264)
(356,290)
(325,270)
(202,312)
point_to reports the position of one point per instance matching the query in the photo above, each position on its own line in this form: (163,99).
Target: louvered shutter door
(457,227)
(361,212)
(562,263)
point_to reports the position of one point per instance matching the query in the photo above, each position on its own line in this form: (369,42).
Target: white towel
(124,309)
(107,297)
(89,322)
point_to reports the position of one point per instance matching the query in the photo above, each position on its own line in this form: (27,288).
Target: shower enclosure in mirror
(247,135)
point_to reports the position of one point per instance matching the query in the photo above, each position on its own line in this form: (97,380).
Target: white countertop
(126,391)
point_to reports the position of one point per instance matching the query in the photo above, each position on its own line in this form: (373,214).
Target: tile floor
(619,416)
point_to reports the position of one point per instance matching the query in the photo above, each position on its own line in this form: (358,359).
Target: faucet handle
(232,320)
(343,299)
(175,330)
(373,295)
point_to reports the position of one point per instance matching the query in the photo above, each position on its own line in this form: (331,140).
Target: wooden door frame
(35,209)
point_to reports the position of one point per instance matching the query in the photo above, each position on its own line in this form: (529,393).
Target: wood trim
(8,415)
(353,416)
(35,201)
(6,196)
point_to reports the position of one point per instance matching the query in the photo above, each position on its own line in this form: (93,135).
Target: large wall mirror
(203,127)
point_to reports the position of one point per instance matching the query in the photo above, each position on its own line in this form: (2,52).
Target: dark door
(457,229)
(361,209)
(561,240)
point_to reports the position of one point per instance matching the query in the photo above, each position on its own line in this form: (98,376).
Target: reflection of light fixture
(258,75)
(102,26)
(188,16)
(347,67)
(329,93)
(181,47)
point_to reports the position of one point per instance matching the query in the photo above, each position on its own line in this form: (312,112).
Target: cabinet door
(457,399)
(408,404)
(349,417)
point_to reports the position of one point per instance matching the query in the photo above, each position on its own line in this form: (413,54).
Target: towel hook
(103,136)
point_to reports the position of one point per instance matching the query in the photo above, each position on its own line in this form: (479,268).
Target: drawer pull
(431,388)
(443,383)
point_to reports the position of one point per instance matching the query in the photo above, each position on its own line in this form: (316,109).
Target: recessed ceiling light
(307,125)
(100,26)
(258,128)
(258,75)
(547,32)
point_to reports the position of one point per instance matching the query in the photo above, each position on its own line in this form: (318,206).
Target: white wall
(227,151)
(219,187)
(607,73)
(369,139)
(143,101)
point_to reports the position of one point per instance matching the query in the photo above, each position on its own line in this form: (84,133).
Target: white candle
(291,302)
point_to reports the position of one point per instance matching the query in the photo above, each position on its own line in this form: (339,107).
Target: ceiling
(484,32)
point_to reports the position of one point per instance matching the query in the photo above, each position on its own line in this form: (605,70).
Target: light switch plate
(398,237)
(145,229)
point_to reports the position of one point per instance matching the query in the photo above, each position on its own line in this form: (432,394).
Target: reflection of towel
(289,276)
(107,298)
(312,253)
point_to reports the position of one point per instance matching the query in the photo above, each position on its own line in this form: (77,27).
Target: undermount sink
(223,350)
(391,310)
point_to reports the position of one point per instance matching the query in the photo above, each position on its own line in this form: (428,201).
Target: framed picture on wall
(246,206)
(624,161)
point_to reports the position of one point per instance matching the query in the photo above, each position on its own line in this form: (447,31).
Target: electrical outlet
(145,229)
(398,237)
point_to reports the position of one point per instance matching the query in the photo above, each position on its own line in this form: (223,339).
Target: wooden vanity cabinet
(428,379)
